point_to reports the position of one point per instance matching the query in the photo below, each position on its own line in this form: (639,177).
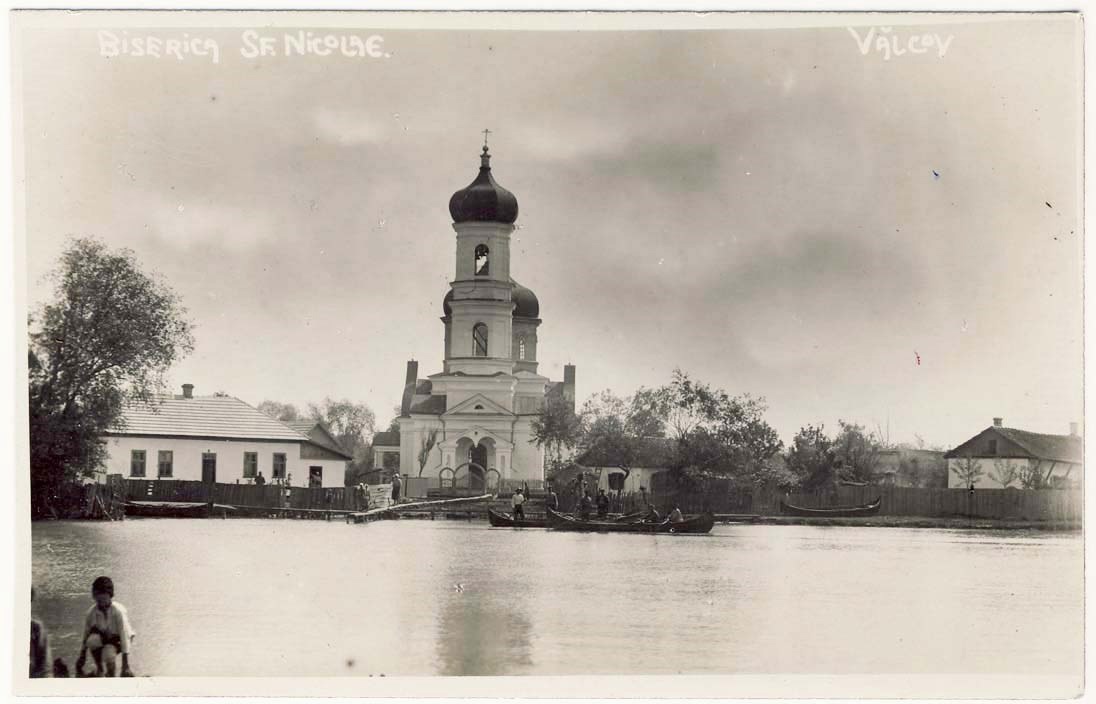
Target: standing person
(552,501)
(602,503)
(518,503)
(675,515)
(39,646)
(260,480)
(396,485)
(107,632)
(361,497)
(584,508)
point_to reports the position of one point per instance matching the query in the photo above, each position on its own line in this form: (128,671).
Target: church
(472,421)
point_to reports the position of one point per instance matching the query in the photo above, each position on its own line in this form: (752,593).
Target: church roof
(387,438)
(526,304)
(432,405)
(484,200)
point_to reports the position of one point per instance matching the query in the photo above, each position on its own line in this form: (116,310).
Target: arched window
(521,348)
(479,340)
(481,260)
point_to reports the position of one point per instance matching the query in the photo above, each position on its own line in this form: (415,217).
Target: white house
(998,450)
(217,439)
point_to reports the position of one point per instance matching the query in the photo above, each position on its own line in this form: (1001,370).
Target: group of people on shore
(107,635)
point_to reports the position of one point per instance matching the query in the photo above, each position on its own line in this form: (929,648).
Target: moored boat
(832,512)
(693,524)
(174,509)
(505,520)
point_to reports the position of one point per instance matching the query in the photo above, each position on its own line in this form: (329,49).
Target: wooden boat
(693,524)
(505,520)
(832,512)
(173,509)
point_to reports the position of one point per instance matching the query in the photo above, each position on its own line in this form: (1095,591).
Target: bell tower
(479,307)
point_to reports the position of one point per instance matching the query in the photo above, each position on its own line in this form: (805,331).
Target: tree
(107,338)
(555,428)
(350,423)
(811,458)
(1031,476)
(428,443)
(856,453)
(614,427)
(1004,472)
(279,411)
(968,470)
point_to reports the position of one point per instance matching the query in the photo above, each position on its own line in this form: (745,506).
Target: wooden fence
(249,495)
(1007,504)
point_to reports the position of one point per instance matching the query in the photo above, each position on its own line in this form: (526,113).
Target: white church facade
(472,421)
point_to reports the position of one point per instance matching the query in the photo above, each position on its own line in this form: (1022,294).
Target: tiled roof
(202,416)
(1063,448)
(386,439)
(433,405)
(318,433)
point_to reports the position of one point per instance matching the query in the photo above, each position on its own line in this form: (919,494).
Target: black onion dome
(484,200)
(526,304)
(445,303)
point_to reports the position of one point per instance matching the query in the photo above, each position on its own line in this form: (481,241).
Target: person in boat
(585,506)
(260,480)
(653,516)
(107,632)
(552,501)
(675,515)
(518,503)
(39,646)
(602,504)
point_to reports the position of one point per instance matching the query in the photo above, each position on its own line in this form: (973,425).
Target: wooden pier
(411,507)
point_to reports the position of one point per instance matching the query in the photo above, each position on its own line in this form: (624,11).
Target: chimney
(188,390)
(569,383)
(998,422)
(1073,429)
(409,384)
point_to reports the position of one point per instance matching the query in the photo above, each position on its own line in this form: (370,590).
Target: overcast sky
(891,242)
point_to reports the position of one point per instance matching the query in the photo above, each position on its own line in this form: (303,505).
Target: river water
(311,598)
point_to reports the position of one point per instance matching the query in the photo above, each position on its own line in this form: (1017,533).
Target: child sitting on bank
(107,633)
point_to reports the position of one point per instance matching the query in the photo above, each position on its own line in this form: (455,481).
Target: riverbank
(955,522)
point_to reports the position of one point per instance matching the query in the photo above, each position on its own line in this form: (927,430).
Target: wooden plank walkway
(362,516)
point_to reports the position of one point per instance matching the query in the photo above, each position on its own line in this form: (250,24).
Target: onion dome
(525,301)
(484,200)
(446,303)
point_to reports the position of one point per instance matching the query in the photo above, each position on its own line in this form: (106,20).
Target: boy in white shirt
(107,632)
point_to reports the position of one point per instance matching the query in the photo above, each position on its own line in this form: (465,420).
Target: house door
(315,477)
(209,467)
(477,455)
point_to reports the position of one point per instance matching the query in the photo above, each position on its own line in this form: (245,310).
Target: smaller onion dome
(446,303)
(526,304)
(484,200)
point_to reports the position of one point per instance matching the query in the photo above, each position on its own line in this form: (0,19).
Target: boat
(693,524)
(505,520)
(174,509)
(832,512)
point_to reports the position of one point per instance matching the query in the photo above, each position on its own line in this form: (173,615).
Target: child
(39,646)
(107,632)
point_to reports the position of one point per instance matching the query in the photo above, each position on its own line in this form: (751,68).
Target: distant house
(386,449)
(652,461)
(1057,458)
(905,466)
(221,439)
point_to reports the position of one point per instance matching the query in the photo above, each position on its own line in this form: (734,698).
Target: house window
(479,340)
(279,465)
(481,262)
(993,446)
(251,464)
(165,463)
(137,463)
(315,477)
(521,348)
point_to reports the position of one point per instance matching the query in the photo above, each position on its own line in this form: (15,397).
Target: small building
(386,450)
(912,467)
(218,439)
(650,457)
(999,450)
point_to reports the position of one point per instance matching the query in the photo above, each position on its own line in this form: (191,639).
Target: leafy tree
(350,423)
(614,427)
(910,471)
(968,470)
(811,458)
(555,428)
(280,411)
(110,334)
(1004,472)
(856,452)
(1031,476)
